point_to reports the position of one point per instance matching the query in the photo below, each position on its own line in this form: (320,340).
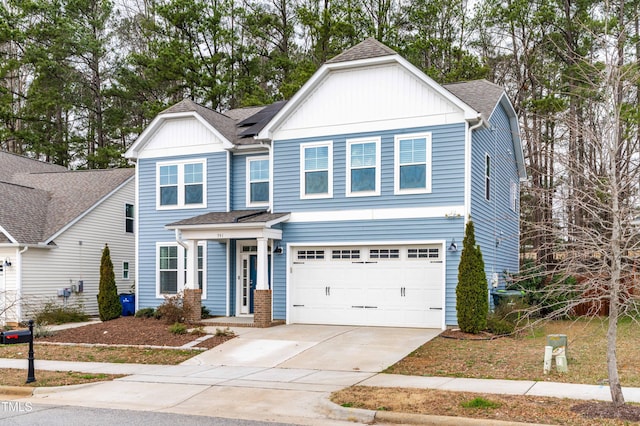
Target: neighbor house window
(363,167)
(172,269)
(181,184)
(125,270)
(316,177)
(257,181)
(412,172)
(128,218)
(487,177)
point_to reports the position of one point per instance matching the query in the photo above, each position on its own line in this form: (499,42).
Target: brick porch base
(262,308)
(193,300)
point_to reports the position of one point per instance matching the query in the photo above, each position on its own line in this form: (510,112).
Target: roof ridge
(368,48)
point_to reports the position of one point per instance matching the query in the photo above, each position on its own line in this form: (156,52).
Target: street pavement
(283,374)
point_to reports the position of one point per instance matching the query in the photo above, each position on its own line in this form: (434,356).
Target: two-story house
(345,205)
(54,224)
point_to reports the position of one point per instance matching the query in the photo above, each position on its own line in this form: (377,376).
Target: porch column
(262,294)
(192,293)
(262,279)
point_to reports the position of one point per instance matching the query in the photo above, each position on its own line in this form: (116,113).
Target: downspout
(19,283)
(180,241)
(467,172)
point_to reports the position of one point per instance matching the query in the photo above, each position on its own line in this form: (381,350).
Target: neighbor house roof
(14,163)
(37,205)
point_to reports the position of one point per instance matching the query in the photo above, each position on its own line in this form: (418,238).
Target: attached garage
(382,285)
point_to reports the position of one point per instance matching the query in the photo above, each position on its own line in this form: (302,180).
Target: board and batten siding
(76,257)
(365,232)
(447,171)
(152,230)
(497,226)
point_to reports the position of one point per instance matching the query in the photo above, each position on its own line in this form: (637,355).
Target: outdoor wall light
(7,262)
(278,250)
(453,246)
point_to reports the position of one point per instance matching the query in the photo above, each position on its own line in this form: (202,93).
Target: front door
(248,277)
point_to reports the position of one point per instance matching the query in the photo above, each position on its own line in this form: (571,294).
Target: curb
(48,390)
(16,390)
(428,420)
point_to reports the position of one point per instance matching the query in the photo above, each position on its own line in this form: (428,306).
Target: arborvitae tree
(109,305)
(472,298)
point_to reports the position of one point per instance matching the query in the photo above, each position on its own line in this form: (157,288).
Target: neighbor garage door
(367,285)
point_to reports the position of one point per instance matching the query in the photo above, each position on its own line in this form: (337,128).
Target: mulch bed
(130,331)
(456,333)
(606,410)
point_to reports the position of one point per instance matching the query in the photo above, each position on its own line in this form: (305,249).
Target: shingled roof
(481,95)
(370,48)
(37,204)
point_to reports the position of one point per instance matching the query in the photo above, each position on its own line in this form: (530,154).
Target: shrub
(109,306)
(479,402)
(472,297)
(227,332)
(52,313)
(204,312)
(198,331)
(499,326)
(178,328)
(41,330)
(145,313)
(173,309)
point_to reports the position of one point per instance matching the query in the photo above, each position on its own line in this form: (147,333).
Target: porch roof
(234,224)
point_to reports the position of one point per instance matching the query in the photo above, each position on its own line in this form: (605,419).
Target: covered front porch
(255,229)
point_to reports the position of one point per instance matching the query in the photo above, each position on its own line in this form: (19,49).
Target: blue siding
(152,228)
(239,180)
(447,172)
(496,224)
(371,231)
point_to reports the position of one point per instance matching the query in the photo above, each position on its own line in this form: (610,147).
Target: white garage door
(367,285)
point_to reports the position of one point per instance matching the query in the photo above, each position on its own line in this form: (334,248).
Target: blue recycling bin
(128,302)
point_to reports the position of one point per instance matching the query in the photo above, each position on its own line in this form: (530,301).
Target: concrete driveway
(317,347)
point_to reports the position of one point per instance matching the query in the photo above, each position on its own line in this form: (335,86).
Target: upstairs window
(316,177)
(181,185)
(487,177)
(413,164)
(257,181)
(129,218)
(363,167)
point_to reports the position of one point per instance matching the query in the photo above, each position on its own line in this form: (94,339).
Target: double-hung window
(412,174)
(129,219)
(172,269)
(316,170)
(257,181)
(181,184)
(363,167)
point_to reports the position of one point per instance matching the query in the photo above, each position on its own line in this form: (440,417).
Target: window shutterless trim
(329,170)
(248,182)
(181,184)
(181,270)
(349,168)
(396,167)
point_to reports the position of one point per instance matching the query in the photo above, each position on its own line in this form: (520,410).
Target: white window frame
(131,219)
(303,174)
(181,184)
(487,177)
(513,196)
(397,165)
(126,270)
(248,181)
(182,253)
(376,191)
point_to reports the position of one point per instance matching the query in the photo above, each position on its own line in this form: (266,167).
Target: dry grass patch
(524,409)
(521,358)
(15,377)
(120,355)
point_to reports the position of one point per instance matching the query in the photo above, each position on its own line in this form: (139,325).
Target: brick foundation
(262,308)
(193,299)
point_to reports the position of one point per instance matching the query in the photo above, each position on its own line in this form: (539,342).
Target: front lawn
(521,358)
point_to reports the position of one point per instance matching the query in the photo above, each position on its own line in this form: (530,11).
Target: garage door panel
(381,287)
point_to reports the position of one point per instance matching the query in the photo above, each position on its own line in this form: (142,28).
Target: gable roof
(38,205)
(370,48)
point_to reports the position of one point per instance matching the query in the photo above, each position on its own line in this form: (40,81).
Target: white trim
(228,180)
(396,164)
(376,191)
(180,286)
(329,194)
(136,236)
(442,243)
(378,214)
(247,182)
(128,269)
(181,185)
(126,218)
(487,177)
(227,280)
(8,235)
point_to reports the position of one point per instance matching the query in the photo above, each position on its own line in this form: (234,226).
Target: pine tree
(472,299)
(108,301)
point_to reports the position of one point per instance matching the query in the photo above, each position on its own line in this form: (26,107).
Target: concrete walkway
(283,374)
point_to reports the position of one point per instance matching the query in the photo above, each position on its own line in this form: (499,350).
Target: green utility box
(558,342)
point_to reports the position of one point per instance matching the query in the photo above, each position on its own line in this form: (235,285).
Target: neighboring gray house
(345,205)
(54,224)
